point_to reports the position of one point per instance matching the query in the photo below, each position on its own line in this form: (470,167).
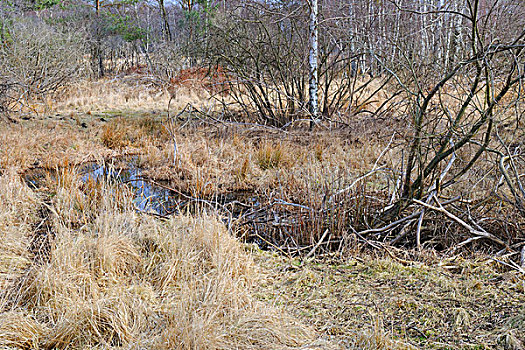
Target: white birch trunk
(397,50)
(424,32)
(313,107)
(447,31)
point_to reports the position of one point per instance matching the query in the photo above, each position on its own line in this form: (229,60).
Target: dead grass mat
(424,305)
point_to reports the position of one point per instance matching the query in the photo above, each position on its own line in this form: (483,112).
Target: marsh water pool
(147,196)
(260,221)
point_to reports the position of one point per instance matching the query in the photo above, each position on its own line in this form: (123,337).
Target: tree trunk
(164,16)
(98,44)
(313,107)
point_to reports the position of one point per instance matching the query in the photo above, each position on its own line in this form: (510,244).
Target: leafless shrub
(264,50)
(36,61)
(452,148)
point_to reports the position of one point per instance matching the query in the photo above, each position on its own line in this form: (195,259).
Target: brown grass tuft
(124,279)
(113,136)
(20,331)
(17,211)
(269,156)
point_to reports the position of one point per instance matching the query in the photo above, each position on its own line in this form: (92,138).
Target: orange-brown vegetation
(200,78)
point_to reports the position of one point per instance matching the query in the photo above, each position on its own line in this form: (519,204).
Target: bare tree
(36,62)
(166,24)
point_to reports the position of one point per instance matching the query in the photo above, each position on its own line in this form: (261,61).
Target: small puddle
(147,196)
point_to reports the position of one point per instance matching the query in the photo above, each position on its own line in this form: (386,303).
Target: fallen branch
(379,245)
(396,223)
(472,230)
(312,252)
(391,225)
(402,233)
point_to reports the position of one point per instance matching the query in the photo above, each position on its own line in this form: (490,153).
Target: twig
(402,233)
(379,245)
(512,266)
(391,225)
(171,130)
(211,204)
(271,244)
(280,201)
(418,230)
(356,181)
(522,257)
(387,147)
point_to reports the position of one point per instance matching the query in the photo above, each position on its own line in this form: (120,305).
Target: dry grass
(127,94)
(211,161)
(218,160)
(229,160)
(377,303)
(129,280)
(269,156)
(16,215)
(48,143)
(104,95)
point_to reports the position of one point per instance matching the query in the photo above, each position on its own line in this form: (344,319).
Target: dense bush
(36,60)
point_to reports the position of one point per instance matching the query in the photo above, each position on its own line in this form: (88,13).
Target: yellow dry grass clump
(16,211)
(123,279)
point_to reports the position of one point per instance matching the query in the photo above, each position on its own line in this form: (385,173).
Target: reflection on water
(147,196)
